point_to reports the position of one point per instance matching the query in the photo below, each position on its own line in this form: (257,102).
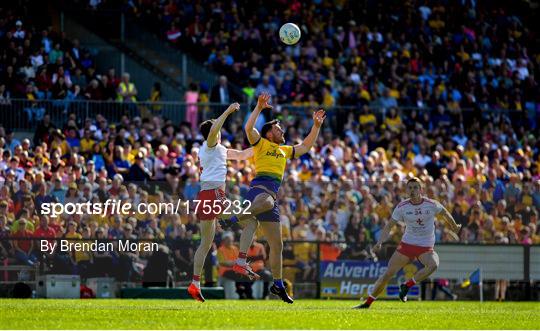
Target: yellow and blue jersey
(270,159)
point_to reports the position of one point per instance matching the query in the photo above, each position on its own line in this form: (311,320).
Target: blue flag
(473,278)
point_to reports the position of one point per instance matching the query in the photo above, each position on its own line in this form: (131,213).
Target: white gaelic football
(289,33)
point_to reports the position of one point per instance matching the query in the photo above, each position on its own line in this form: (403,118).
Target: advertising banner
(349,279)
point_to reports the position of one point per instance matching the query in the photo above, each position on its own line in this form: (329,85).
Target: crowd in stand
(41,63)
(343,190)
(464,54)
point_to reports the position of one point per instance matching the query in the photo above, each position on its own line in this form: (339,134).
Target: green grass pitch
(270,314)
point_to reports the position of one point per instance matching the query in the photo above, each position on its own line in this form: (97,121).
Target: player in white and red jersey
(418,213)
(213,158)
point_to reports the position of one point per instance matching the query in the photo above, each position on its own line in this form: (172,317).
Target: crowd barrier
(24,115)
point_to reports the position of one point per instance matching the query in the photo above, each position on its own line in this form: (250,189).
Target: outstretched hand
(233,108)
(318,117)
(262,101)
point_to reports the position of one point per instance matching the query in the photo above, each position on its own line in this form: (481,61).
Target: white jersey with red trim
(419,221)
(213,166)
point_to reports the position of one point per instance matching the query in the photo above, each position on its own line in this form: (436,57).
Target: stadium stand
(418,54)
(419,91)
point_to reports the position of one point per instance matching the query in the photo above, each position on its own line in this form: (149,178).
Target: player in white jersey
(418,213)
(213,158)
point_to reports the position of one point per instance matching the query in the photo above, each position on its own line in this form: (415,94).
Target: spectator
(155,95)
(360,249)
(501,284)
(387,101)
(33,110)
(221,93)
(138,172)
(4,96)
(28,70)
(60,73)
(127,92)
(434,167)
(44,231)
(226,256)
(173,34)
(5,245)
(109,91)
(56,53)
(266,87)
(257,256)
(75,50)
(78,78)
(442,285)
(86,143)
(304,255)
(23,246)
(19,32)
(60,89)
(192,114)
(44,130)
(112,78)
(93,91)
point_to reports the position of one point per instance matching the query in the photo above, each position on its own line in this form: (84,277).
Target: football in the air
(289,33)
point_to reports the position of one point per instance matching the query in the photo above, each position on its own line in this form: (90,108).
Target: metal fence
(23,115)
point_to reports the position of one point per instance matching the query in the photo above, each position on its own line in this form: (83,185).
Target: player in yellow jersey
(270,160)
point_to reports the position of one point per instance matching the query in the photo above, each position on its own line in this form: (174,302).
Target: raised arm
(234,154)
(218,123)
(309,141)
(252,133)
(448,219)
